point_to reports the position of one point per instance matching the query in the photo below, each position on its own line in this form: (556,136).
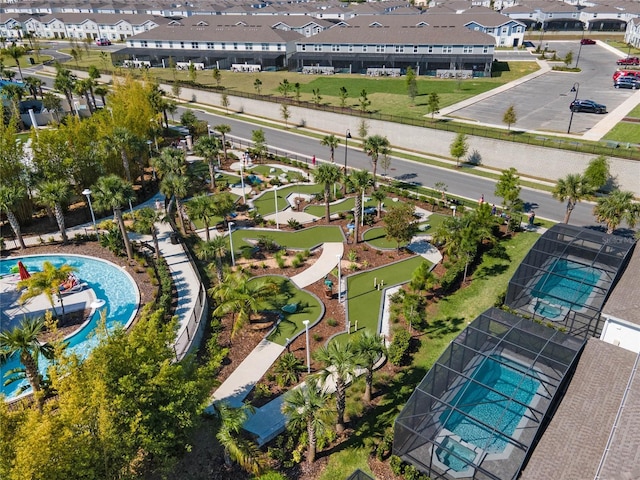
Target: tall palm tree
(209,148)
(375,146)
(243,297)
(215,249)
(327,175)
(15,52)
(14,93)
(123,141)
(615,208)
(53,194)
(332,142)
(82,88)
(369,348)
(223,129)
(223,205)
(47,282)
(379,197)
(145,220)
(308,407)
(176,187)
(573,188)
(101,91)
(112,192)
(23,342)
(202,208)
(236,447)
(171,160)
(64,83)
(34,85)
(340,363)
(10,197)
(94,74)
(360,180)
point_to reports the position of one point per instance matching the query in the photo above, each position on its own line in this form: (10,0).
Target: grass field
(265,204)
(306,238)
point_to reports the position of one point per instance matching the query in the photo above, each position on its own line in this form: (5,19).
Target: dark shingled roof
(624,301)
(576,439)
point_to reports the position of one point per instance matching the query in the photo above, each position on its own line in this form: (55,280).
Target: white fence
(318,70)
(454,74)
(244,67)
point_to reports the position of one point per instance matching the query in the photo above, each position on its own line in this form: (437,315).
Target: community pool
(483,417)
(111,284)
(568,284)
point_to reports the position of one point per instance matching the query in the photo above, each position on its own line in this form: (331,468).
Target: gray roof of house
(624,301)
(586,424)
(230,31)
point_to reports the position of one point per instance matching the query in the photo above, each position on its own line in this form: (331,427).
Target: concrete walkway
(331,253)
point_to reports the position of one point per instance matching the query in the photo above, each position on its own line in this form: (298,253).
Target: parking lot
(542,103)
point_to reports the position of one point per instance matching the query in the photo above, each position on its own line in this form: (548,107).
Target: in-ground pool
(454,455)
(110,283)
(567,283)
(496,377)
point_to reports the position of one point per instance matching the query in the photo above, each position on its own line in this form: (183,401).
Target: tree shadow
(492,271)
(443,327)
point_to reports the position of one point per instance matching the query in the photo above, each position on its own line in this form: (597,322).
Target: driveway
(542,104)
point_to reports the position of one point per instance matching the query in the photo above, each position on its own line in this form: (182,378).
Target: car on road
(628,81)
(587,106)
(101,42)
(625,73)
(628,61)
(587,41)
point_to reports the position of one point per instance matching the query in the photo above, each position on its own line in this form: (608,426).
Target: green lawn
(265,203)
(376,236)
(309,308)
(306,238)
(624,132)
(346,205)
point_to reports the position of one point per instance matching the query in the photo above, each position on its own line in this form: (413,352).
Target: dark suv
(628,81)
(587,106)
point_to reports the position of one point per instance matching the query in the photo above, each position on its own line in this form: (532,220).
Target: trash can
(175,239)
(32,61)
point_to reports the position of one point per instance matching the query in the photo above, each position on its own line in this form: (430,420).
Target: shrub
(332,322)
(317,337)
(296,262)
(293,223)
(397,467)
(399,348)
(352,256)
(261,390)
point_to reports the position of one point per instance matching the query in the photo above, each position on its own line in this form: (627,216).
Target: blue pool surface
(567,283)
(455,462)
(109,282)
(490,407)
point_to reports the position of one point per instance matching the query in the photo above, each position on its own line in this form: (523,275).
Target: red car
(587,41)
(629,61)
(624,73)
(103,42)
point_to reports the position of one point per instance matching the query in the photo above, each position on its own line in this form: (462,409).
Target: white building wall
(621,333)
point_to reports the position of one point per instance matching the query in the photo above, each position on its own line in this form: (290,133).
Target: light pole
(339,257)
(347,136)
(87,193)
(575,88)
(233,258)
(306,331)
(275,197)
(209,130)
(580,48)
(244,198)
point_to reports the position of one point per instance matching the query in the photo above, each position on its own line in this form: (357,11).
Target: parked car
(627,81)
(587,41)
(103,42)
(587,106)
(625,73)
(629,61)
(528,44)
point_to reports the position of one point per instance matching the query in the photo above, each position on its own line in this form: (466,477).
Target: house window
(415,49)
(279,47)
(447,49)
(467,49)
(211,45)
(265,47)
(248,46)
(235,46)
(430,49)
(143,43)
(158,44)
(195,45)
(505,30)
(380,48)
(335,48)
(303,47)
(399,48)
(518,29)
(350,48)
(490,31)
(317,48)
(181,44)
(485,49)
(223,46)
(364,49)
(170,44)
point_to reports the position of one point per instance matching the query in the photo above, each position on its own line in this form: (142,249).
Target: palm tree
(360,180)
(34,85)
(53,194)
(65,83)
(15,52)
(23,342)
(10,197)
(327,174)
(47,282)
(176,187)
(573,188)
(369,348)
(202,208)
(94,74)
(209,148)
(379,197)
(243,297)
(82,88)
(122,141)
(332,142)
(112,192)
(340,363)
(236,448)
(14,93)
(145,220)
(616,208)
(374,146)
(288,369)
(213,249)
(223,129)
(308,407)
(223,205)
(102,92)
(171,160)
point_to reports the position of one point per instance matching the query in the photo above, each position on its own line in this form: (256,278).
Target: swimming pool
(504,377)
(567,283)
(110,283)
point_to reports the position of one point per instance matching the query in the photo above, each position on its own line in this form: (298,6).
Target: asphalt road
(542,104)
(459,183)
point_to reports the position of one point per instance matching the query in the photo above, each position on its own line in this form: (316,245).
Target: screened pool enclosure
(479,409)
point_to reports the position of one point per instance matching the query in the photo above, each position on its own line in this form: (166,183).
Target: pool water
(567,284)
(491,407)
(455,461)
(109,283)
(548,311)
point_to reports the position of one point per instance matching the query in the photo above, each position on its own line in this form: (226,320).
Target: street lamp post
(580,48)
(244,198)
(275,197)
(339,257)
(87,193)
(575,88)
(209,130)
(347,136)
(306,331)
(233,258)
